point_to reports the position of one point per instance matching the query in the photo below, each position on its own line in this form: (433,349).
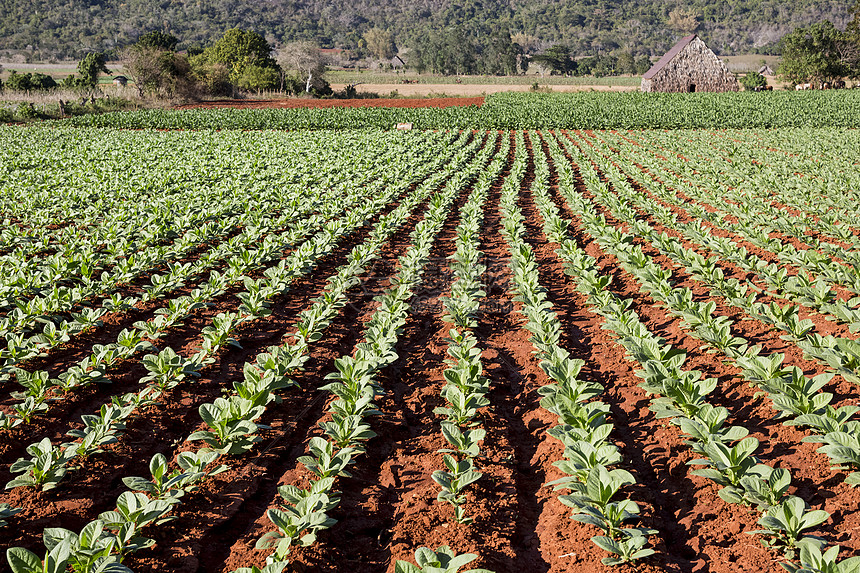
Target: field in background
(377,77)
(474,90)
(411,84)
(583,110)
(750,62)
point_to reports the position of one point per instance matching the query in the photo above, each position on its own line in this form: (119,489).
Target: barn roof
(667,57)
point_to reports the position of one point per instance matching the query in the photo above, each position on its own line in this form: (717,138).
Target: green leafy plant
(232,425)
(765,489)
(812,560)
(297,524)
(167,369)
(464,442)
(443,560)
(92,551)
(629,547)
(728,464)
(56,560)
(7,511)
(325,461)
(45,469)
(784,523)
(453,480)
(137,509)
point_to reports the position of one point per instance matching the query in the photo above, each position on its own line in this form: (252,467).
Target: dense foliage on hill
(46,29)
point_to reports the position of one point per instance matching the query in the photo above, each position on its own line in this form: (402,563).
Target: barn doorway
(691,88)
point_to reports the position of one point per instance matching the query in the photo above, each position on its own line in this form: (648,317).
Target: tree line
(821,54)
(43,30)
(243,60)
(239,60)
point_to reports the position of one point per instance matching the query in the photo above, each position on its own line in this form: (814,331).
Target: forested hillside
(49,29)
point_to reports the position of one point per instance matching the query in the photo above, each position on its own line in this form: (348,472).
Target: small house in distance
(765,70)
(690,66)
(121,81)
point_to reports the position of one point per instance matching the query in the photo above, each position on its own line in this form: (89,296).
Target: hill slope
(68,28)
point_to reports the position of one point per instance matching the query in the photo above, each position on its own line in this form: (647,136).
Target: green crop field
(520,337)
(630,110)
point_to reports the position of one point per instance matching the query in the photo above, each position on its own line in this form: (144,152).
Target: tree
(685,21)
(529,44)
(643,64)
(214,77)
(853,28)
(306,59)
(500,55)
(813,54)
(850,45)
(234,52)
(753,80)
(626,63)
(90,67)
(157,70)
(158,40)
(155,67)
(557,59)
(259,78)
(143,65)
(380,43)
(451,51)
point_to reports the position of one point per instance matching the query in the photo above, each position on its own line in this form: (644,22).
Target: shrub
(29,82)
(28,111)
(753,80)
(258,78)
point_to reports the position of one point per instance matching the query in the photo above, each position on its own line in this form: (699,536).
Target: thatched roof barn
(765,70)
(690,66)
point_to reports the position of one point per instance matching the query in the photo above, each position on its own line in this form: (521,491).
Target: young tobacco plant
(24,561)
(842,448)
(167,369)
(45,469)
(277,567)
(171,485)
(812,560)
(443,560)
(7,511)
(628,547)
(453,481)
(297,524)
(764,489)
(325,461)
(137,509)
(232,425)
(728,464)
(784,523)
(464,442)
(93,550)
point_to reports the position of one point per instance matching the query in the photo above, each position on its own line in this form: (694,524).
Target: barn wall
(696,65)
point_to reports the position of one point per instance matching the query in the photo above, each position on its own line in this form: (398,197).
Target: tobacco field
(528,350)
